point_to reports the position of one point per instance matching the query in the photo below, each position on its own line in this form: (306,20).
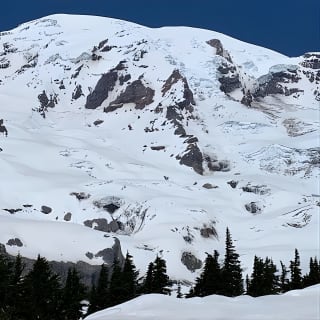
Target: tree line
(227,278)
(41,293)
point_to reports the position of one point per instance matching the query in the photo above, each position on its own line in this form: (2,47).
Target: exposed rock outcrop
(191,262)
(67,216)
(81,195)
(311,60)
(229,77)
(110,204)
(3,128)
(46,209)
(77,93)
(256,189)
(209,232)
(233,184)
(253,207)
(137,93)
(209,186)
(89,273)
(15,242)
(220,51)
(275,81)
(193,158)
(188,101)
(103,225)
(101,92)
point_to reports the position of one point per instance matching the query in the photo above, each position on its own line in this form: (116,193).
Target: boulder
(46,209)
(191,262)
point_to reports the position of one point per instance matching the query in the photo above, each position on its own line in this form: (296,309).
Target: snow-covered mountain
(157,140)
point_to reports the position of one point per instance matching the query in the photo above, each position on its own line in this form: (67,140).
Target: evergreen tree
(284,283)
(313,277)
(6,272)
(148,282)
(129,275)
(116,290)
(232,282)
(15,300)
(99,295)
(209,281)
(160,279)
(270,279)
(254,287)
(296,278)
(263,279)
(41,292)
(73,293)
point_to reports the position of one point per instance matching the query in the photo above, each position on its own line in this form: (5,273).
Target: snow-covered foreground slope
(159,137)
(293,305)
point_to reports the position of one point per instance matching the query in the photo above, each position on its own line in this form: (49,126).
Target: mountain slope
(159,137)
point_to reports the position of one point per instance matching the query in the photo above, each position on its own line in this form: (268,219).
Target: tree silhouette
(232,282)
(160,279)
(41,292)
(295,270)
(129,278)
(313,277)
(116,290)
(99,295)
(148,282)
(73,292)
(263,278)
(209,281)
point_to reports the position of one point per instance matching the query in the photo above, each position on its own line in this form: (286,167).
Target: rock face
(220,51)
(89,273)
(100,93)
(311,60)
(188,100)
(193,158)
(135,93)
(275,81)
(229,78)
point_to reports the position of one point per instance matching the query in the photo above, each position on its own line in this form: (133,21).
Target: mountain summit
(121,137)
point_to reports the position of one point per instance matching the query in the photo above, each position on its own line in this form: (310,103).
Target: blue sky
(291,27)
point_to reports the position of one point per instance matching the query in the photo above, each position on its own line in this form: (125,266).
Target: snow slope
(141,133)
(295,305)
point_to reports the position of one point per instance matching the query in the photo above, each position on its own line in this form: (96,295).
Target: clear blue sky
(291,27)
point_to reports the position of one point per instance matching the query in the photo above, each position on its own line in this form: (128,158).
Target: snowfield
(293,305)
(118,130)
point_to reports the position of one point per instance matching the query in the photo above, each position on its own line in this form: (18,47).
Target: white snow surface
(293,305)
(163,204)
